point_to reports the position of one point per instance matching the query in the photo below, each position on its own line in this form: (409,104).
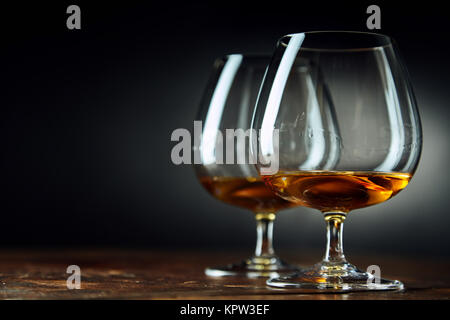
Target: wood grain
(141,274)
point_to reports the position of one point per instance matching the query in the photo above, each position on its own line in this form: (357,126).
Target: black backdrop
(86,118)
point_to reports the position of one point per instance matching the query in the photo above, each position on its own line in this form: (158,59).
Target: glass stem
(335,250)
(264,234)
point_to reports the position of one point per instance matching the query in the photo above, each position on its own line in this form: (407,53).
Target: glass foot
(255,267)
(334,277)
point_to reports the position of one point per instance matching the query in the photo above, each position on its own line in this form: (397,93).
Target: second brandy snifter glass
(372,156)
(226,172)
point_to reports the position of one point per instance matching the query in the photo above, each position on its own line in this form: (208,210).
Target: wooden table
(143,274)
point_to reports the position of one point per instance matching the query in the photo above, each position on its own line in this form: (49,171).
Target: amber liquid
(330,191)
(250,193)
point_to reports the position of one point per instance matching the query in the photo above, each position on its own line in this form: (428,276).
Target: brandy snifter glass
(226,170)
(372,156)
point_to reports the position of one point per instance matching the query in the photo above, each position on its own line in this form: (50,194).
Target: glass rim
(249,58)
(379,40)
(244,55)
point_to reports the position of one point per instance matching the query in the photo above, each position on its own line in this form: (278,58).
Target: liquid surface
(337,190)
(250,193)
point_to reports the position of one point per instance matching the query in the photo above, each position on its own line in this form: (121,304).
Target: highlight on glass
(349,137)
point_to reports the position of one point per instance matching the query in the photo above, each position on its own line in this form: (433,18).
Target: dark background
(86,119)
